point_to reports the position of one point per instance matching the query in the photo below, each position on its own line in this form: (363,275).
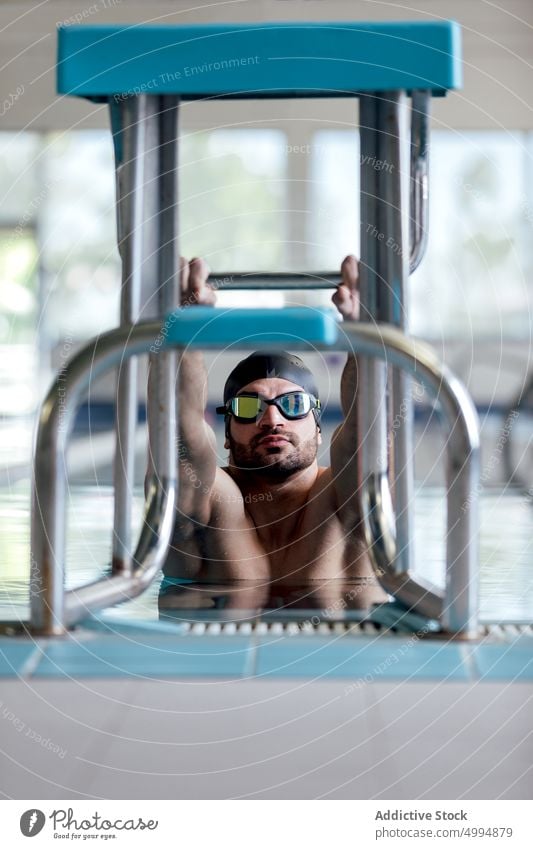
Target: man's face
(272,444)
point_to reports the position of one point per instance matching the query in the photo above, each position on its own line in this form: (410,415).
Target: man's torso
(308,545)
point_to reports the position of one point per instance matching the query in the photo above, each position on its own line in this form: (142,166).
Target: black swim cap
(264,365)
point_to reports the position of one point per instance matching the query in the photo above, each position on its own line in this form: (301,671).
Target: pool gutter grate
(500,632)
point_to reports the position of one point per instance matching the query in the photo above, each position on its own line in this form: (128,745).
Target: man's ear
(319,435)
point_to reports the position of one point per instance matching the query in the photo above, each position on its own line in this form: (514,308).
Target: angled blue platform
(206,327)
(337,59)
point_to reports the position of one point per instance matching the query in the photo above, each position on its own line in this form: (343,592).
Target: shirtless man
(272,515)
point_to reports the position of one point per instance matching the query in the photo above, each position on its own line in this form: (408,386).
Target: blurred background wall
(264,186)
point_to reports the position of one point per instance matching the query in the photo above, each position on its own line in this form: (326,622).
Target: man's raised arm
(196,448)
(345,441)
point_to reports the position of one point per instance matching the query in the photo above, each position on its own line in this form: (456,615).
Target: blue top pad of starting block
(207,327)
(267,60)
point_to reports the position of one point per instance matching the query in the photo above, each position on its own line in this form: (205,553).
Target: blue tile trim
(509,662)
(15,656)
(370,659)
(142,653)
(146,656)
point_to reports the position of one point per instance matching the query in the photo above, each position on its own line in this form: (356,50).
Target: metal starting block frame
(143,72)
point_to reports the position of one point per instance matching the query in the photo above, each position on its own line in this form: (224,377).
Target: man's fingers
(346,299)
(193,282)
(194,286)
(342,296)
(350,271)
(199,272)
(184,274)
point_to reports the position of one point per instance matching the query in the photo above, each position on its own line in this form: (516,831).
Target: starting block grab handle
(53,609)
(207,327)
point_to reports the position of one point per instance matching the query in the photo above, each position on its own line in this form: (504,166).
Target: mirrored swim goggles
(250,406)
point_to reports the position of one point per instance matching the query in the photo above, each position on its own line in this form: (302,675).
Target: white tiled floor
(271,739)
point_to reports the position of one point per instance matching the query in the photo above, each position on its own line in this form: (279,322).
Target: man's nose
(271,417)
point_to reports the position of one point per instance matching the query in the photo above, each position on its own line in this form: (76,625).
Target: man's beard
(274,462)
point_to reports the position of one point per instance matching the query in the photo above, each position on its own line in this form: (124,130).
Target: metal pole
(148,227)
(51,609)
(394,270)
(419,204)
(372,374)
(130,208)
(164,243)
(231,280)
(47,549)
(457,610)
(168,211)
(462,521)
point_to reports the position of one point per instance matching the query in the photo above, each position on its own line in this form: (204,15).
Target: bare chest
(237,546)
(311,545)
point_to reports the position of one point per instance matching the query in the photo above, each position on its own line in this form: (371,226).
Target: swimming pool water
(506,549)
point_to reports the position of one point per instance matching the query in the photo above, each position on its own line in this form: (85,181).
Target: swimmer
(272,514)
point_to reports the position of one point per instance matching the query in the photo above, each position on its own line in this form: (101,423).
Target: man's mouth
(273,441)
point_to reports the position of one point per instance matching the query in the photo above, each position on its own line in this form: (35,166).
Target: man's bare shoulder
(227,501)
(322,504)
(323,486)
(224,478)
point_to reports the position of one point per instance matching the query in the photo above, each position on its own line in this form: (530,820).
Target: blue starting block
(205,327)
(336,59)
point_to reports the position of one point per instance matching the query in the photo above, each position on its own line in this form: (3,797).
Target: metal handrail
(520,403)
(457,608)
(53,609)
(419,194)
(274,280)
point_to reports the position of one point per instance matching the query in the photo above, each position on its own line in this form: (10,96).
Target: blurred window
(59,263)
(476,277)
(60,269)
